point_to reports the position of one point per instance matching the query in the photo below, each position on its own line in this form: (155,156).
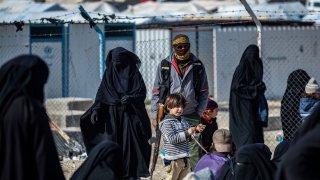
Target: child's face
(176,111)
(212,113)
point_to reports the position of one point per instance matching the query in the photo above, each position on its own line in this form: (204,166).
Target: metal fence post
(256,21)
(87,17)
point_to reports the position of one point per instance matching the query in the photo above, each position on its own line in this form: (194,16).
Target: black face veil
(121,68)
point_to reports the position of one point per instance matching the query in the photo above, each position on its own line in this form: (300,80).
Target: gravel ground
(69,167)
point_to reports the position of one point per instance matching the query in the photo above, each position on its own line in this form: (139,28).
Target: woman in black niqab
(253,162)
(289,111)
(119,113)
(27,149)
(246,87)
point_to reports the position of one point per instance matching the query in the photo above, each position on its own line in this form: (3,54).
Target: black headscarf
(290,117)
(246,87)
(253,162)
(301,161)
(122,116)
(280,152)
(26,74)
(27,147)
(104,162)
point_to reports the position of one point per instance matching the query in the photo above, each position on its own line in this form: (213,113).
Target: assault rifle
(156,139)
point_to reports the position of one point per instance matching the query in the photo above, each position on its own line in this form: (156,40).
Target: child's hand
(191,130)
(200,128)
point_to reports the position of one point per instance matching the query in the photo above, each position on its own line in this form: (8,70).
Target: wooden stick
(59,130)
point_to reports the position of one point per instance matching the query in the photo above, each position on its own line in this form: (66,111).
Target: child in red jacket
(209,118)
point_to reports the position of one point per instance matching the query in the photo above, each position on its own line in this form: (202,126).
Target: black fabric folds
(26,143)
(121,78)
(289,112)
(104,162)
(280,152)
(253,162)
(246,87)
(122,116)
(302,157)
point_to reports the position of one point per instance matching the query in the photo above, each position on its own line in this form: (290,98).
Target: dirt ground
(69,167)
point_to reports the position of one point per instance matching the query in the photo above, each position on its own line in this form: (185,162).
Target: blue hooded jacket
(307,106)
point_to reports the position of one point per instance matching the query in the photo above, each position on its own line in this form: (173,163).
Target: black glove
(126,99)
(94,116)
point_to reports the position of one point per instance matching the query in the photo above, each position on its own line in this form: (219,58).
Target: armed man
(182,72)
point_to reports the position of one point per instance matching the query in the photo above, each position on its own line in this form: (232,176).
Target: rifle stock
(160,114)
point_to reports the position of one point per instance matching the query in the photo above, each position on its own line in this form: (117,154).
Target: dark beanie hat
(211,104)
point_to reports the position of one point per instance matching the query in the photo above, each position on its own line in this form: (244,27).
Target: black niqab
(125,122)
(27,147)
(289,112)
(246,87)
(253,162)
(117,80)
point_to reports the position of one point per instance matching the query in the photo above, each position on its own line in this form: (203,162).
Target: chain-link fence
(72,54)
(284,50)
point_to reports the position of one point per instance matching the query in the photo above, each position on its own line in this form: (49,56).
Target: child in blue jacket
(310,99)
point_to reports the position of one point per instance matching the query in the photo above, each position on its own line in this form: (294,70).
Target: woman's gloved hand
(126,99)
(94,116)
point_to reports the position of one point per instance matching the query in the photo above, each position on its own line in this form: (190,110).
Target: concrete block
(64,119)
(69,103)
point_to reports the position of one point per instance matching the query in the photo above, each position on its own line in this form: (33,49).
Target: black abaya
(27,147)
(121,113)
(102,163)
(301,161)
(289,112)
(246,87)
(280,153)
